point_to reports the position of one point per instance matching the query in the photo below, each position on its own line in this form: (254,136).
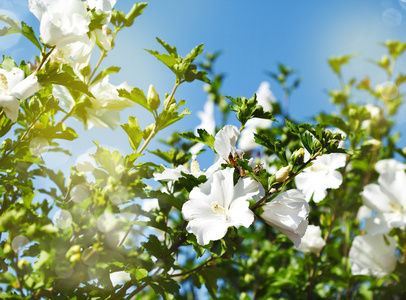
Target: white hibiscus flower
(387,198)
(217,204)
(62,22)
(312,240)
(288,213)
(322,175)
(370,255)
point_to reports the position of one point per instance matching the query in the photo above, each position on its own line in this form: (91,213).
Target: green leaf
(171,115)
(135,11)
(204,137)
(395,48)
(153,246)
(336,62)
(8,63)
(248,108)
(275,147)
(292,127)
(135,95)
(96,19)
(133,131)
(181,67)
(67,77)
(140,273)
(25,30)
(170,49)
(104,73)
(332,120)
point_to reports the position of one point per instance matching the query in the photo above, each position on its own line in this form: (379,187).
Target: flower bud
(153,98)
(24,266)
(282,174)
(317,145)
(385,62)
(297,157)
(6,144)
(373,143)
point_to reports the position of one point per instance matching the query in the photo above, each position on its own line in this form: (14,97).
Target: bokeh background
(253,36)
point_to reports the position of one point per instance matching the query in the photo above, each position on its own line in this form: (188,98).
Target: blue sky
(254,36)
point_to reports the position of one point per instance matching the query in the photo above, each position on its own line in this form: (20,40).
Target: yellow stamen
(3,82)
(218,209)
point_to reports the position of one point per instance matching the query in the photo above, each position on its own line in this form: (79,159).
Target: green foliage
(248,108)
(182,67)
(65,235)
(25,30)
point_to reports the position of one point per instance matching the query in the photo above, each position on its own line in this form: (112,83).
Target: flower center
(3,82)
(319,168)
(218,209)
(396,208)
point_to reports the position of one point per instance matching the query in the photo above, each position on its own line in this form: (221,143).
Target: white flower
(265,98)
(62,21)
(105,106)
(391,164)
(207,122)
(287,213)
(370,255)
(76,54)
(377,225)
(224,145)
(217,204)
(13,88)
(312,240)
(388,198)
(363,213)
(119,277)
(322,175)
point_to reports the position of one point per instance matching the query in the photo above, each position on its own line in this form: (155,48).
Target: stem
(194,269)
(22,137)
(314,269)
(289,179)
(45,58)
(67,115)
(103,55)
(127,233)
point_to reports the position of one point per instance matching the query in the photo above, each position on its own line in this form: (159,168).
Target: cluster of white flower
(385,208)
(218,204)
(65,27)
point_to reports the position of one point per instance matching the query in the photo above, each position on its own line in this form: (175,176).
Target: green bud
(24,266)
(75,257)
(7,248)
(72,250)
(317,145)
(6,144)
(373,144)
(297,157)
(385,62)
(153,98)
